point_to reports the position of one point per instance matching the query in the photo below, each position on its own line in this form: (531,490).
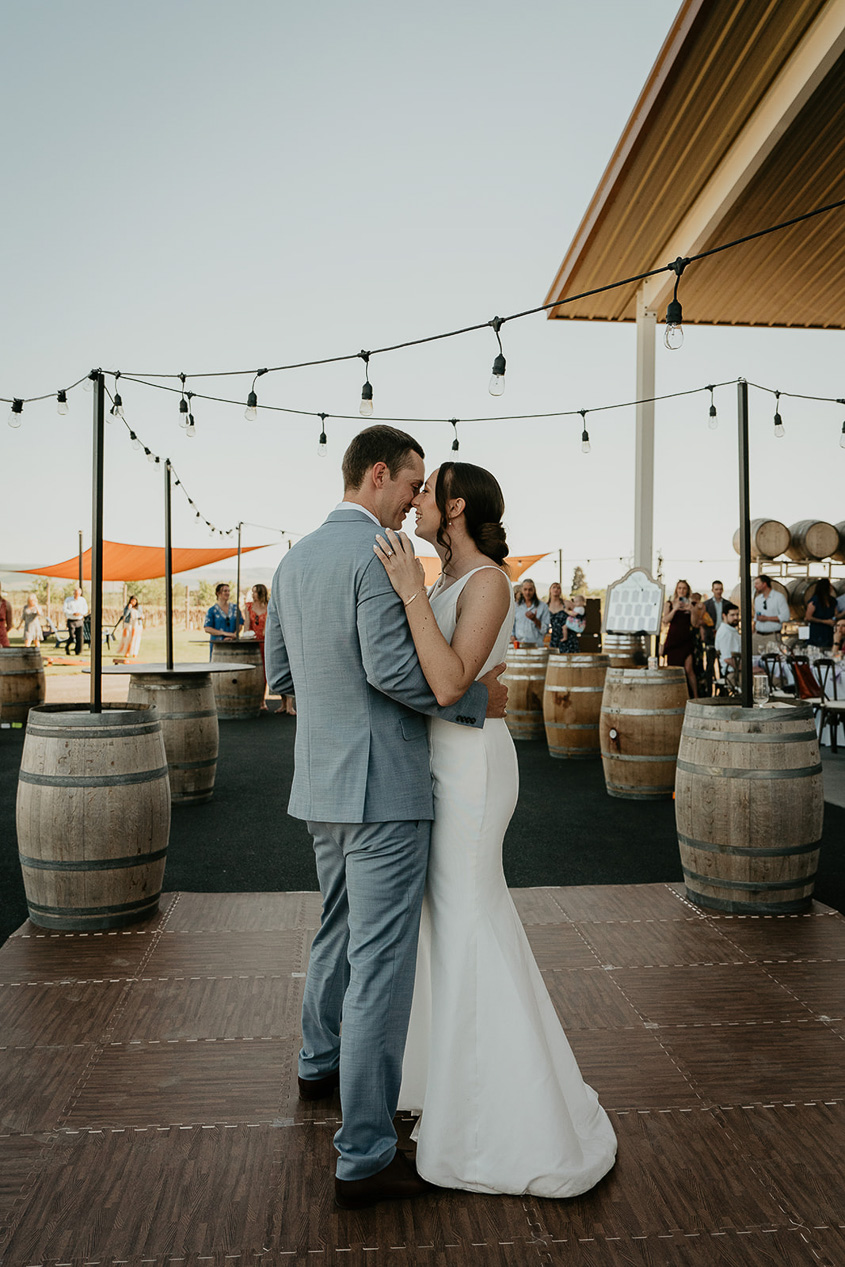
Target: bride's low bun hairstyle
(484,506)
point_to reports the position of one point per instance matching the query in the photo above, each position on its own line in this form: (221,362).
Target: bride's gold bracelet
(413,596)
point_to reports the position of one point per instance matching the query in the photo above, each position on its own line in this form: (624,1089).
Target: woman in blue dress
(821,615)
(222,619)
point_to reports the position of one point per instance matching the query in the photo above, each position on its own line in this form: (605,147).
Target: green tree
(579,581)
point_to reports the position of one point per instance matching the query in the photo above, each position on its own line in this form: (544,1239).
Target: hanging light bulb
(456,444)
(184,412)
(673,335)
(88,385)
(151,457)
(779,431)
(322,447)
(496,386)
(116,410)
(713,420)
(62,406)
(136,443)
(190,427)
(15,414)
(585,435)
(842,437)
(365,409)
(251,411)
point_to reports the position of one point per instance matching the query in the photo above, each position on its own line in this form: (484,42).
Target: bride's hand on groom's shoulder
(404,570)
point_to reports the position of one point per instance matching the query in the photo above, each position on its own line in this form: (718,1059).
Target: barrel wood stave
(645,708)
(525,677)
(238,695)
(187,711)
(572,704)
(22,682)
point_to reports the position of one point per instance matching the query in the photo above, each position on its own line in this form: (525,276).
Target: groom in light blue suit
(337,638)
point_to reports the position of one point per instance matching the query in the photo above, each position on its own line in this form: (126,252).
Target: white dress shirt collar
(356,506)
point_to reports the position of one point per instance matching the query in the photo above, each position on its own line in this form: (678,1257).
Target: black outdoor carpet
(566,830)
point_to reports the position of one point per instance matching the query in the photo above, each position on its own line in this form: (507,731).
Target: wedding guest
(6,619)
(223,619)
(699,651)
(133,627)
(821,615)
(715,607)
(31,622)
(679,645)
(561,638)
(531,621)
(728,643)
(771,611)
(254,622)
(75,610)
(839,638)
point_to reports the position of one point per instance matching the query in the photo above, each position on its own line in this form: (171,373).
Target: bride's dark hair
(483,510)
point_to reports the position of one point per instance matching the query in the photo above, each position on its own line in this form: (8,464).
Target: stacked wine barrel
(807,541)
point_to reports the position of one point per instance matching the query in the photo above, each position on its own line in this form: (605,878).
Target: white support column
(644,471)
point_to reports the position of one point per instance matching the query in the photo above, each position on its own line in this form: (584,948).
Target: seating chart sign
(633,604)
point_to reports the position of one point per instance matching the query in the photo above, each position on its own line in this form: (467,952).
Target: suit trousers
(361,971)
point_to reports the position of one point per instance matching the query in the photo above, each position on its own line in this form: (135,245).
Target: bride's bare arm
(482,607)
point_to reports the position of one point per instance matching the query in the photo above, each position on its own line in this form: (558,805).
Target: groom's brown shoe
(398,1181)
(319,1088)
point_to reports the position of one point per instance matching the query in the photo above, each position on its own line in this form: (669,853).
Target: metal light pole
(97,546)
(745,605)
(238,586)
(80,558)
(168,565)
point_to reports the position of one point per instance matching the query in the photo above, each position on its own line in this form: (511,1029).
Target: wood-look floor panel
(800,1148)
(820,985)
(19,1156)
(674,1172)
(57,1015)
(775,938)
(538,906)
(631,1070)
(761,1063)
(183,1083)
(765,1247)
(732,994)
(659,943)
(150,925)
(35,1086)
(244,912)
(560,946)
(625,902)
(237,1007)
(50,957)
(588,998)
(227,954)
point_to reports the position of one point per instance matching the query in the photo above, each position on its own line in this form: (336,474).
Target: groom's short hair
(377,444)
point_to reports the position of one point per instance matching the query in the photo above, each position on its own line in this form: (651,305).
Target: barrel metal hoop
(101,732)
(794,907)
(205,712)
(646,792)
(566,690)
(60,911)
(749,737)
(743,851)
(91,864)
(622,756)
(725,772)
(642,712)
(192,765)
(748,885)
(562,725)
(20,672)
(93,780)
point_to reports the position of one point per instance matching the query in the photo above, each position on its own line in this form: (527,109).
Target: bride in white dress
(504,1107)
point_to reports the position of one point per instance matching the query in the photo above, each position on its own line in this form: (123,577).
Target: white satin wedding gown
(504,1106)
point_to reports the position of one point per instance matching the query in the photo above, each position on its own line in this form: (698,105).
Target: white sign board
(633,604)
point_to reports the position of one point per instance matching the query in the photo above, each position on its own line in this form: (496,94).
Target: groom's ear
(379,473)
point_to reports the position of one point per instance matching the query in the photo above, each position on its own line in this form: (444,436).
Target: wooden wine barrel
(22,684)
(525,678)
(839,553)
(769,538)
(776,585)
(812,539)
(238,694)
(93,816)
(642,712)
(749,803)
(188,715)
(625,651)
(572,704)
(799,591)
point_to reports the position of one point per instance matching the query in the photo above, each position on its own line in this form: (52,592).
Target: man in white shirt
(715,608)
(75,609)
(728,643)
(771,611)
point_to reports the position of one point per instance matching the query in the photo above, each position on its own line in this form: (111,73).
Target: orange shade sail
(515,563)
(122,562)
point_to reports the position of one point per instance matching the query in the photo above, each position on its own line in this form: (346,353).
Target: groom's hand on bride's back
(497,692)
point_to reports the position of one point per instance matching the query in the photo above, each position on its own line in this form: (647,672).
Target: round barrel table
(525,678)
(22,683)
(184,700)
(642,713)
(572,704)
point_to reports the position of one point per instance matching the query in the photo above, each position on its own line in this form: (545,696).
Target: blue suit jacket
(336,636)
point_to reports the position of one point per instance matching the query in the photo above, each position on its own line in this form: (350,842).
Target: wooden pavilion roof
(740,125)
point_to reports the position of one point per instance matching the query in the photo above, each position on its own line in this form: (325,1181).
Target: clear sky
(199,186)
